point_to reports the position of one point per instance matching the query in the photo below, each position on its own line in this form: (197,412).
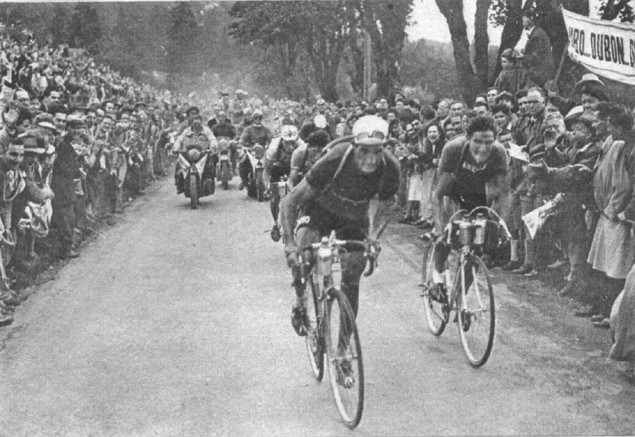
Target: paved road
(176,323)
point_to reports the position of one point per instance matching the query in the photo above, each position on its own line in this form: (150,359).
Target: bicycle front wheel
(344,358)
(314,338)
(476,310)
(432,303)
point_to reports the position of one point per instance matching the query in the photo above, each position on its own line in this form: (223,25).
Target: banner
(604,47)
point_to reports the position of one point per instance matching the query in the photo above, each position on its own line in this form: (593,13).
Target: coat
(538,58)
(623,322)
(613,247)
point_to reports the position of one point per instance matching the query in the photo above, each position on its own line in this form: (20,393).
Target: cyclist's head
(320,121)
(319,138)
(289,133)
(197,122)
(481,133)
(257,116)
(370,134)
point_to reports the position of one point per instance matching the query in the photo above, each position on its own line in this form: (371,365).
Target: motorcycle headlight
(193,154)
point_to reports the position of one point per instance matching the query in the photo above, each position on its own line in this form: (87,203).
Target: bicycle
(467,279)
(277,192)
(332,331)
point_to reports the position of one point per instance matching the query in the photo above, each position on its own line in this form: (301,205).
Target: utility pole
(367,65)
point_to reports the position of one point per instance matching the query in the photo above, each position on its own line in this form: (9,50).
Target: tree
(472,81)
(84,27)
(386,24)
(320,29)
(273,26)
(548,16)
(182,36)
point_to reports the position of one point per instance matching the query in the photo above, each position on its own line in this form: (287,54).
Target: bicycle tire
(432,307)
(477,312)
(315,335)
(348,387)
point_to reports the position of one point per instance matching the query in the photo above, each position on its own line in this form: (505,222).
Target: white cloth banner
(604,47)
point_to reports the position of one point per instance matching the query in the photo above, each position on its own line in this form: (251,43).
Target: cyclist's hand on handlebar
(291,253)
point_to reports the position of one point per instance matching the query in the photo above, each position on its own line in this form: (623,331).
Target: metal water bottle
(324,258)
(465,232)
(479,232)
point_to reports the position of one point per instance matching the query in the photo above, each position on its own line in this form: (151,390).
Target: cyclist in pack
(306,155)
(335,195)
(278,166)
(473,172)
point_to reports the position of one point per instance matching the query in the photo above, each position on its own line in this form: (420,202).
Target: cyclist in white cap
(278,166)
(335,195)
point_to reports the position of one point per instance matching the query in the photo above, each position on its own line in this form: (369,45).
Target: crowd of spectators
(78,141)
(91,138)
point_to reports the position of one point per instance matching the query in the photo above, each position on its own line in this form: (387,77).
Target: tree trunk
(512,30)
(481,42)
(356,70)
(386,23)
(452,10)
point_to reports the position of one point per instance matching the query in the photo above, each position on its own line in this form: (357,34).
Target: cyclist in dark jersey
(335,195)
(473,172)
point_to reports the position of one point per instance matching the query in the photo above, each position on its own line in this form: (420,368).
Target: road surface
(177,323)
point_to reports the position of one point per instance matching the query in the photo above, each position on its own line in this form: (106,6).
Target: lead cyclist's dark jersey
(344,191)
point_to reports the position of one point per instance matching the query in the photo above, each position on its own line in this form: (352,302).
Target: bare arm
(497,190)
(379,215)
(447,206)
(289,209)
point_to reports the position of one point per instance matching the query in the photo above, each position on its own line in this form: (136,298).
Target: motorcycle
(225,171)
(192,164)
(256,181)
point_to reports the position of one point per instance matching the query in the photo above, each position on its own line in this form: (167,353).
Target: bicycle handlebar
(370,253)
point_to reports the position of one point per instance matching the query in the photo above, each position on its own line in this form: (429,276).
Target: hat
(321,102)
(246,111)
(574,113)
(191,109)
(589,78)
(46,121)
(370,130)
(33,144)
(320,121)
(586,118)
(74,121)
(140,105)
(257,112)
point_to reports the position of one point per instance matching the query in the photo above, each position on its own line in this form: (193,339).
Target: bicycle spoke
(477,313)
(344,359)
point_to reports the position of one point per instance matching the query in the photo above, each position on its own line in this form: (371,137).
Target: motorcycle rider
(278,166)
(256,133)
(196,133)
(224,128)
(336,195)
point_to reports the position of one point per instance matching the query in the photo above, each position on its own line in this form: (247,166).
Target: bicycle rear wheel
(477,312)
(314,338)
(344,358)
(435,304)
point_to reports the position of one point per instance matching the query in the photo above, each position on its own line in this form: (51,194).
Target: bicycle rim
(477,313)
(343,346)
(314,338)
